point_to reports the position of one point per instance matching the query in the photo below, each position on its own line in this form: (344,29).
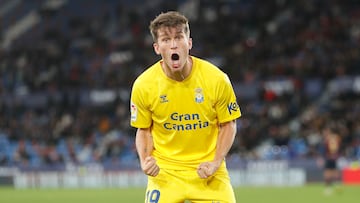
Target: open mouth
(175,57)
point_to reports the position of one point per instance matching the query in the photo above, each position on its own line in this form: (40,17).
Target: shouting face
(173,44)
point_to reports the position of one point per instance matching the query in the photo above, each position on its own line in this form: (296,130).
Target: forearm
(225,140)
(144,143)
(144,146)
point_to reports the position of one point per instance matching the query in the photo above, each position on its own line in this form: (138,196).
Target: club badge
(199,97)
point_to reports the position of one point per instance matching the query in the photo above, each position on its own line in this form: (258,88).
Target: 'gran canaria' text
(183,122)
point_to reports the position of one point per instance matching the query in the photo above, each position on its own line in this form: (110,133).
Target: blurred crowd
(65,80)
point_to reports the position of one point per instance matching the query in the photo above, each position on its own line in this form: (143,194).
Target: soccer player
(185,111)
(332,142)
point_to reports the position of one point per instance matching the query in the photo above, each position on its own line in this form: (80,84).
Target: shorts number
(153,196)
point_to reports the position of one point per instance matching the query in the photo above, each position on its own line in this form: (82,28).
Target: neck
(179,75)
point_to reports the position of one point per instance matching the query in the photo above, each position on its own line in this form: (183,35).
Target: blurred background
(66,69)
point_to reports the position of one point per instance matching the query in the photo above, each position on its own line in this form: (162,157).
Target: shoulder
(205,64)
(148,76)
(210,70)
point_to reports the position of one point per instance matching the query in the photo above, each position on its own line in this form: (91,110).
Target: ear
(156,48)
(190,43)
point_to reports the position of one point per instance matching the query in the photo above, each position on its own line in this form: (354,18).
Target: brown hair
(168,19)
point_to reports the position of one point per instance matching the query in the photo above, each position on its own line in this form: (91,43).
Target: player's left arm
(225,140)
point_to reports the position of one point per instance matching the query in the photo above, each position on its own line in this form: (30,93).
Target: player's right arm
(144,146)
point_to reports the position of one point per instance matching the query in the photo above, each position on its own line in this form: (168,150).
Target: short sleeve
(226,106)
(139,108)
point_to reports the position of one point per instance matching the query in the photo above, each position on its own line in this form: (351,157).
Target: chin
(176,69)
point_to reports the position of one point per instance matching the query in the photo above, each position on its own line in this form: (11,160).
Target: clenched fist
(149,166)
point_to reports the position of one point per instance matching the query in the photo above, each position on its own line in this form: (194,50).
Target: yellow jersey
(184,116)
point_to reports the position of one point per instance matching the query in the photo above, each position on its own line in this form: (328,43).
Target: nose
(173,43)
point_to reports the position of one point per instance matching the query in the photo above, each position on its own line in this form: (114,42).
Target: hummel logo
(163,98)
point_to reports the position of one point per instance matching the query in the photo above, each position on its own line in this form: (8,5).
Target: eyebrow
(166,32)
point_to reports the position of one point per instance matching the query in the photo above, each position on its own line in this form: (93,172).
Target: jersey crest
(199,97)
